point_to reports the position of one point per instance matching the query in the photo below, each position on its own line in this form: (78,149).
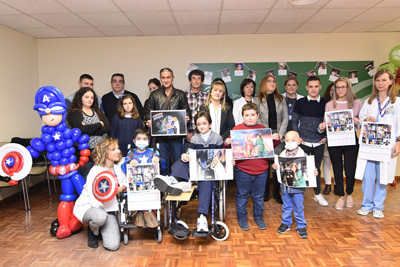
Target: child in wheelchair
(205,139)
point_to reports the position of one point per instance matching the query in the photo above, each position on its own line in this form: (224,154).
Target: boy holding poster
(293,197)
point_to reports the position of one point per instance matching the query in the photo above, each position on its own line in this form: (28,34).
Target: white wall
(19,80)
(61,61)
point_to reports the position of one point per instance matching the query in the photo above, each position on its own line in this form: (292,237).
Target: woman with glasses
(344,99)
(273,114)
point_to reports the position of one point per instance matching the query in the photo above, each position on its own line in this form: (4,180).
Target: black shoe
(92,239)
(279,200)
(327,189)
(283,228)
(302,232)
(266,198)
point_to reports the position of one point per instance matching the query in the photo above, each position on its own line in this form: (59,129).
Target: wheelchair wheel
(158,234)
(126,236)
(221,232)
(184,225)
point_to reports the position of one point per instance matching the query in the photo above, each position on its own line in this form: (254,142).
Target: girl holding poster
(382,106)
(344,99)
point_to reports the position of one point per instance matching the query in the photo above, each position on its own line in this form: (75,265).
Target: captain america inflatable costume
(58,140)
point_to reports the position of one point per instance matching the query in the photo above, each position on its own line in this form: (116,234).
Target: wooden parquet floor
(336,238)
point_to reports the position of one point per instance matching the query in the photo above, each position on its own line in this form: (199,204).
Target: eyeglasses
(340,87)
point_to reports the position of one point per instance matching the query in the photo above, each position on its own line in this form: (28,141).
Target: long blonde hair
(222,101)
(350,96)
(263,91)
(101,150)
(391,92)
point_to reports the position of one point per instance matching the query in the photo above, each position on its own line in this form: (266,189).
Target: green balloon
(394,56)
(388,66)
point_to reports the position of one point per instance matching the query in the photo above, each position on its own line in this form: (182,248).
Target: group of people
(297,124)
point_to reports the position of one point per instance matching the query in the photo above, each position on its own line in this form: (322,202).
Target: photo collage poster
(252,144)
(168,122)
(142,195)
(296,171)
(340,128)
(210,164)
(375,139)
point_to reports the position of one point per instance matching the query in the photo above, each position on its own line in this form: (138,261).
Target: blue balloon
(76,133)
(56,155)
(49,156)
(61,127)
(55,162)
(46,138)
(84,139)
(37,144)
(72,159)
(33,152)
(57,136)
(72,149)
(51,147)
(69,143)
(60,145)
(67,133)
(64,161)
(65,153)
(48,129)
(83,146)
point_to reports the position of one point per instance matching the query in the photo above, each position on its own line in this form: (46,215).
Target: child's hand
(370,119)
(276,136)
(121,189)
(228,141)
(148,123)
(185,157)
(275,166)
(155,160)
(134,163)
(316,172)
(323,141)
(233,162)
(187,118)
(322,126)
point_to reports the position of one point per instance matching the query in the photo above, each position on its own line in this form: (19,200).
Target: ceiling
(96,18)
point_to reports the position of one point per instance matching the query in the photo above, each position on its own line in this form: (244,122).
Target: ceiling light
(302,2)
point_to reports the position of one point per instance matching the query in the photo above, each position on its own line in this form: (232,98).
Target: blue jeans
(293,202)
(249,185)
(167,150)
(374,195)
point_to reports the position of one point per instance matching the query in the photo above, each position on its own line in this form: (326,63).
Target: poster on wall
(168,122)
(238,69)
(322,69)
(282,69)
(340,128)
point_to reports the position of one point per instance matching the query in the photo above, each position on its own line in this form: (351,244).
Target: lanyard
(291,105)
(382,109)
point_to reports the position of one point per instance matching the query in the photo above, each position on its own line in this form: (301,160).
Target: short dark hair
(313,78)
(246,82)
(141,131)
(85,76)
(155,81)
(118,75)
(166,69)
(249,106)
(197,72)
(204,114)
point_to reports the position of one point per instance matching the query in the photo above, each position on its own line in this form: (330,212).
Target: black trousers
(318,153)
(348,155)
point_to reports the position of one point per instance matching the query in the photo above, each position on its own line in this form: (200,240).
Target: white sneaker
(202,224)
(186,186)
(321,200)
(167,184)
(377,213)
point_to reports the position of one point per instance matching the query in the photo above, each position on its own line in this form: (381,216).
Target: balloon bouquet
(394,64)
(58,141)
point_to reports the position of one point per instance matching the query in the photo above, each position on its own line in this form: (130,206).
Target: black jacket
(158,97)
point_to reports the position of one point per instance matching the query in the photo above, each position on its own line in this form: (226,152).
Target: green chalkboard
(362,89)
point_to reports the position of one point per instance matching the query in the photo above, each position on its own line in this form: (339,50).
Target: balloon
(64,161)
(84,139)
(69,143)
(84,159)
(65,153)
(61,127)
(85,152)
(16,161)
(394,56)
(72,150)
(60,145)
(56,155)
(72,159)
(33,152)
(83,146)
(51,147)
(37,144)
(53,227)
(49,156)
(387,66)
(76,133)
(46,138)
(55,162)
(67,133)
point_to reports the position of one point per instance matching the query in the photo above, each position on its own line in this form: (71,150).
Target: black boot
(92,239)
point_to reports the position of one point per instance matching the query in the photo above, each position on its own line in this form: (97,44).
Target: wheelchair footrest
(178,230)
(200,234)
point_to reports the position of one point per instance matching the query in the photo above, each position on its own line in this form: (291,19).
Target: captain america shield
(105,186)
